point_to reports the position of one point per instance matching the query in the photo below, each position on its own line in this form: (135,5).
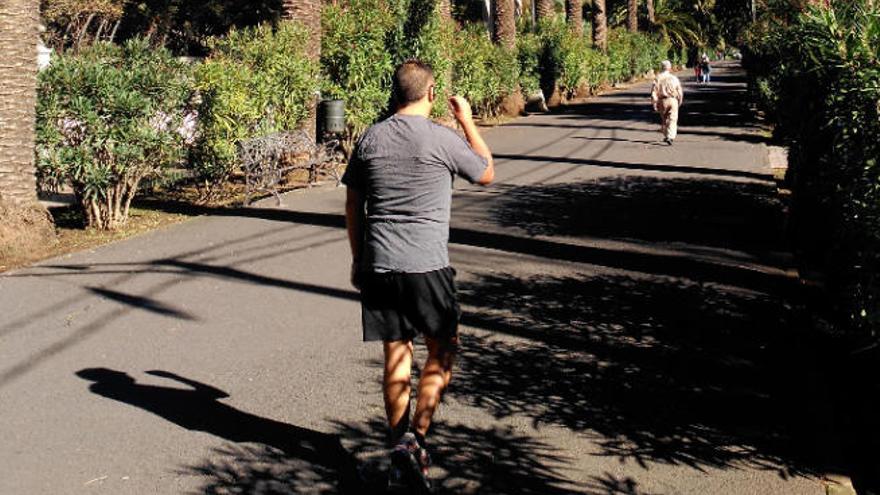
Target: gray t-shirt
(405,166)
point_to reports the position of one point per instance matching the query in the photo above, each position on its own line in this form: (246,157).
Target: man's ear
(431,93)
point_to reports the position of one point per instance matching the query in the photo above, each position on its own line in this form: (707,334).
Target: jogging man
(666,96)
(397,211)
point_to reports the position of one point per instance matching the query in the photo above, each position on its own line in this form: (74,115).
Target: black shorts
(397,306)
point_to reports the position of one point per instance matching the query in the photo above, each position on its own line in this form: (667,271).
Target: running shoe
(412,461)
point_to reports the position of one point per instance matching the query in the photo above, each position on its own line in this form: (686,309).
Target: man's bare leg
(434,379)
(396,385)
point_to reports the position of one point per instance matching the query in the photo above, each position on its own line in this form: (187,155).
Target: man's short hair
(666,65)
(411,81)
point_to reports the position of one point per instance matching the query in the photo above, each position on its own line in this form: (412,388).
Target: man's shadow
(198,409)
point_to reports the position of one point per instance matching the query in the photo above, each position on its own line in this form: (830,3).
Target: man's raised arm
(463,114)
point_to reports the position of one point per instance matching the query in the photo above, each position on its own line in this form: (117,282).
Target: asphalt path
(630,327)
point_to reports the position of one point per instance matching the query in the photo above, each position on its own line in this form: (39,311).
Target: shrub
(817,77)
(256,81)
(529,49)
(419,33)
(108,118)
(357,67)
(483,72)
(364,40)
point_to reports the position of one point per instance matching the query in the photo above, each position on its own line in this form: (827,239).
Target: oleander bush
(817,75)
(529,49)
(362,42)
(419,33)
(633,54)
(356,65)
(483,72)
(259,80)
(108,118)
(256,81)
(554,58)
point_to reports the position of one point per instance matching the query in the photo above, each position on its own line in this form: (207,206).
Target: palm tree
(19,21)
(545,9)
(600,25)
(505,23)
(632,15)
(574,13)
(678,28)
(307,13)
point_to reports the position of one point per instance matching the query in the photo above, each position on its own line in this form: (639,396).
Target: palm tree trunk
(445,10)
(544,9)
(505,24)
(574,13)
(19,20)
(307,13)
(632,15)
(600,25)
(18,73)
(650,5)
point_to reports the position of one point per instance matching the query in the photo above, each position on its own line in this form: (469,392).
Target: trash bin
(332,117)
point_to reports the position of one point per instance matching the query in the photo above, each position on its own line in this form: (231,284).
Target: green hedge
(356,65)
(255,82)
(362,42)
(818,77)
(483,72)
(108,118)
(364,39)
(260,80)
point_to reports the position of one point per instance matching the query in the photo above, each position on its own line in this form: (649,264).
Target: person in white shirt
(666,97)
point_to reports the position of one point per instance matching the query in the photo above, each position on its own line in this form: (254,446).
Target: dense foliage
(256,81)
(483,72)
(357,67)
(108,118)
(362,42)
(364,39)
(183,26)
(817,74)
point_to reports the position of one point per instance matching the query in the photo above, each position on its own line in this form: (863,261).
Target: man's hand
(461,109)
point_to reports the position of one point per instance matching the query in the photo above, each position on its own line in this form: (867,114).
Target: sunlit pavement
(630,327)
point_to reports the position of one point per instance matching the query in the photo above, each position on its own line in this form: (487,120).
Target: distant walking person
(666,96)
(397,211)
(705,69)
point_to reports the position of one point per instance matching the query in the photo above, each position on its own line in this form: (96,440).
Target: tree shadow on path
(271,457)
(319,457)
(743,216)
(654,369)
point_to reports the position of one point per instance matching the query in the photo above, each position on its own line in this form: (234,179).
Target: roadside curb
(777,157)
